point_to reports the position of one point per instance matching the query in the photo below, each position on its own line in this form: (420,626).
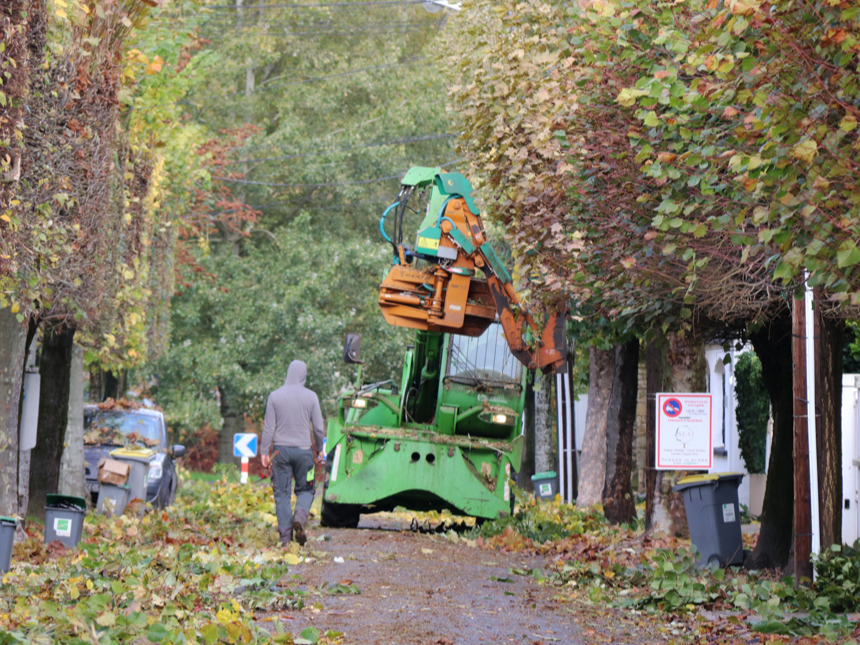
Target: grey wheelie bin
(113,499)
(64,519)
(713,515)
(139,460)
(7,537)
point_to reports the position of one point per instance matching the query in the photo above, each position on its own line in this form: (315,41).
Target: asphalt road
(426,589)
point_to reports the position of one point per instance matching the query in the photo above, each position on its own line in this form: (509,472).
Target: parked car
(108,429)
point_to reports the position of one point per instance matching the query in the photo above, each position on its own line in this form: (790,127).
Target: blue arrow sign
(244,445)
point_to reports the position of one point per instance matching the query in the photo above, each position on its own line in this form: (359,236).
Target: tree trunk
(13,339)
(53,418)
(233,423)
(72,470)
(24,455)
(544,443)
(681,369)
(95,390)
(527,466)
(601,373)
(657,519)
(618,504)
(111,388)
(772,345)
(829,335)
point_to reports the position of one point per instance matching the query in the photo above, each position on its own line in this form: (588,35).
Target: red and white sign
(684,439)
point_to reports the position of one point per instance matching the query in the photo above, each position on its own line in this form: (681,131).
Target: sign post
(684,434)
(244,447)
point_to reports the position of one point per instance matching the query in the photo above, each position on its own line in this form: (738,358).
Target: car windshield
(483,360)
(118,428)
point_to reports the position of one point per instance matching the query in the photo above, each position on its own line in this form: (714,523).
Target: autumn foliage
(668,162)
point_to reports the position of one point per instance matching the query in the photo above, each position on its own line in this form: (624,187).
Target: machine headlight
(500,418)
(359,403)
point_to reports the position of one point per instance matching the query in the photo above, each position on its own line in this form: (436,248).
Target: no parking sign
(684,439)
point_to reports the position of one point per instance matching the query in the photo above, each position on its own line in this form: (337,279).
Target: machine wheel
(337,516)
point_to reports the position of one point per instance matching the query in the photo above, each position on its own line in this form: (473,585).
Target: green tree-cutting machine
(448,434)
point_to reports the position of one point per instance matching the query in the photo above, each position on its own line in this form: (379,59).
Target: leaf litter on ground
(198,572)
(595,564)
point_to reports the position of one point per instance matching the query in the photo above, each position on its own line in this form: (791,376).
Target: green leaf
(210,633)
(157,633)
(311,634)
(783,271)
(847,255)
(651,119)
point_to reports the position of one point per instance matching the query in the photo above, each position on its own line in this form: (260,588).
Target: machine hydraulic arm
(453,281)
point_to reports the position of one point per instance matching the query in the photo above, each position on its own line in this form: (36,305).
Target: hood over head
(296,373)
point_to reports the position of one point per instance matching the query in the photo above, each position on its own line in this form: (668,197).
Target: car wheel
(161,499)
(174,485)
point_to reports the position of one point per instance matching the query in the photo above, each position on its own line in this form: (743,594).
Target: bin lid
(549,474)
(54,501)
(704,480)
(133,453)
(14,520)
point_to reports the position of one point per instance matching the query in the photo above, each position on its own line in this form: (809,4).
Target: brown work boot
(286,535)
(299,533)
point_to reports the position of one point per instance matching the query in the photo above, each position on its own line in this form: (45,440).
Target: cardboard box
(112,471)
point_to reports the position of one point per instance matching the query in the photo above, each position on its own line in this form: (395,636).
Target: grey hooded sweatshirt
(290,411)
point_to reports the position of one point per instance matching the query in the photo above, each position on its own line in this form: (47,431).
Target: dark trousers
(288,463)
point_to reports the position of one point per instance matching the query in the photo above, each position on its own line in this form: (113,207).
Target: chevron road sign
(244,445)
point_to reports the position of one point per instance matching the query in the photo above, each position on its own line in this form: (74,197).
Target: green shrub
(752,411)
(838,576)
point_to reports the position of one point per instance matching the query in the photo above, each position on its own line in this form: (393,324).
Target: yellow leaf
(628,96)
(427,551)
(848,123)
(107,619)
(760,214)
(291,558)
(806,150)
(128,274)
(15,307)
(125,21)
(74,594)
(60,13)
(6,218)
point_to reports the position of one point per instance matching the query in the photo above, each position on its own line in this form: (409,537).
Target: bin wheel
(715,561)
(333,515)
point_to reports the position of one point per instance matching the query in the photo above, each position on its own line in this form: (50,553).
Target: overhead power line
(320,5)
(317,79)
(375,144)
(323,185)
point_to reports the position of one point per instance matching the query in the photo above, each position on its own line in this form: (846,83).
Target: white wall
(721,385)
(850,457)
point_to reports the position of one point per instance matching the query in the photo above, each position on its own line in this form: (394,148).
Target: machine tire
(333,515)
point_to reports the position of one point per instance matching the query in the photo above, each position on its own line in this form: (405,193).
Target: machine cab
(481,393)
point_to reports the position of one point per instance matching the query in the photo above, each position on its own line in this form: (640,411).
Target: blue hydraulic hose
(442,210)
(382,222)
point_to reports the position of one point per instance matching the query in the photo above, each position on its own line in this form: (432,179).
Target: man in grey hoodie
(291,411)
